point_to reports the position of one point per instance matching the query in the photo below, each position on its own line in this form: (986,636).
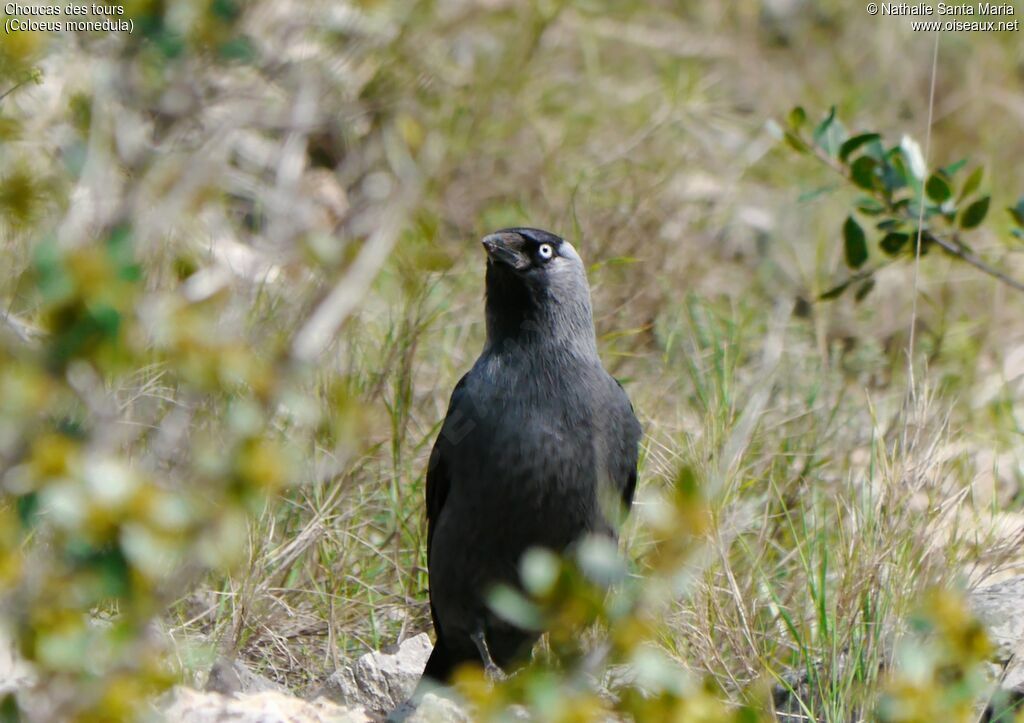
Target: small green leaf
(862,172)
(855,243)
(1018,212)
(864,289)
(854,143)
(238,49)
(171,44)
(892,243)
(825,123)
(876,150)
(27,506)
(889,224)
(895,173)
(228,10)
(10,712)
(972,183)
(797,118)
(52,277)
(937,188)
(539,570)
(514,607)
(953,168)
(836,291)
(870,206)
(795,142)
(816,192)
(105,319)
(830,134)
(599,559)
(974,214)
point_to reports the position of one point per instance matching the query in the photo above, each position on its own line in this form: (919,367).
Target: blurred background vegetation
(242,274)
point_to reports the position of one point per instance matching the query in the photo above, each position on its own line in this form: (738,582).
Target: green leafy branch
(33,75)
(895,185)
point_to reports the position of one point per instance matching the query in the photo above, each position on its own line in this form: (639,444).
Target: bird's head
(536,287)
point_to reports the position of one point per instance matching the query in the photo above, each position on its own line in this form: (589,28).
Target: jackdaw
(536,435)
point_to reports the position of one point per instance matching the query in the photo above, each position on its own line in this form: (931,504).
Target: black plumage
(536,433)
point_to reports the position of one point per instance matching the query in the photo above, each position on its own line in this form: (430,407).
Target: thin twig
(25,331)
(852,279)
(17,85)
(961,252)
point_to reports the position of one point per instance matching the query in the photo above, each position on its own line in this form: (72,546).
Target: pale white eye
(545,251)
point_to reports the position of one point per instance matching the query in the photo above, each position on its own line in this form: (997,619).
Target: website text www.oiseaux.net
(956,17)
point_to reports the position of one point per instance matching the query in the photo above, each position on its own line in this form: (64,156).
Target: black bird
(537,433)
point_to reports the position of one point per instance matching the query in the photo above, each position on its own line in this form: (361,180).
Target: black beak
(507,247)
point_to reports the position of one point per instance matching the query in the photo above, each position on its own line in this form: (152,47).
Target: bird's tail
(440,665)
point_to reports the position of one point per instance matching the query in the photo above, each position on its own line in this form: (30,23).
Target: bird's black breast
(527,462)
(522,455)
(525,458)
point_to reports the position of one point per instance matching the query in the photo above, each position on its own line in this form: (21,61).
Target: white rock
(380,682)
(1001,608)
(435,708)
(191,706)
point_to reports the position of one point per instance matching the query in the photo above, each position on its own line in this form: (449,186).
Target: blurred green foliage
(104,525)
(940,670)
